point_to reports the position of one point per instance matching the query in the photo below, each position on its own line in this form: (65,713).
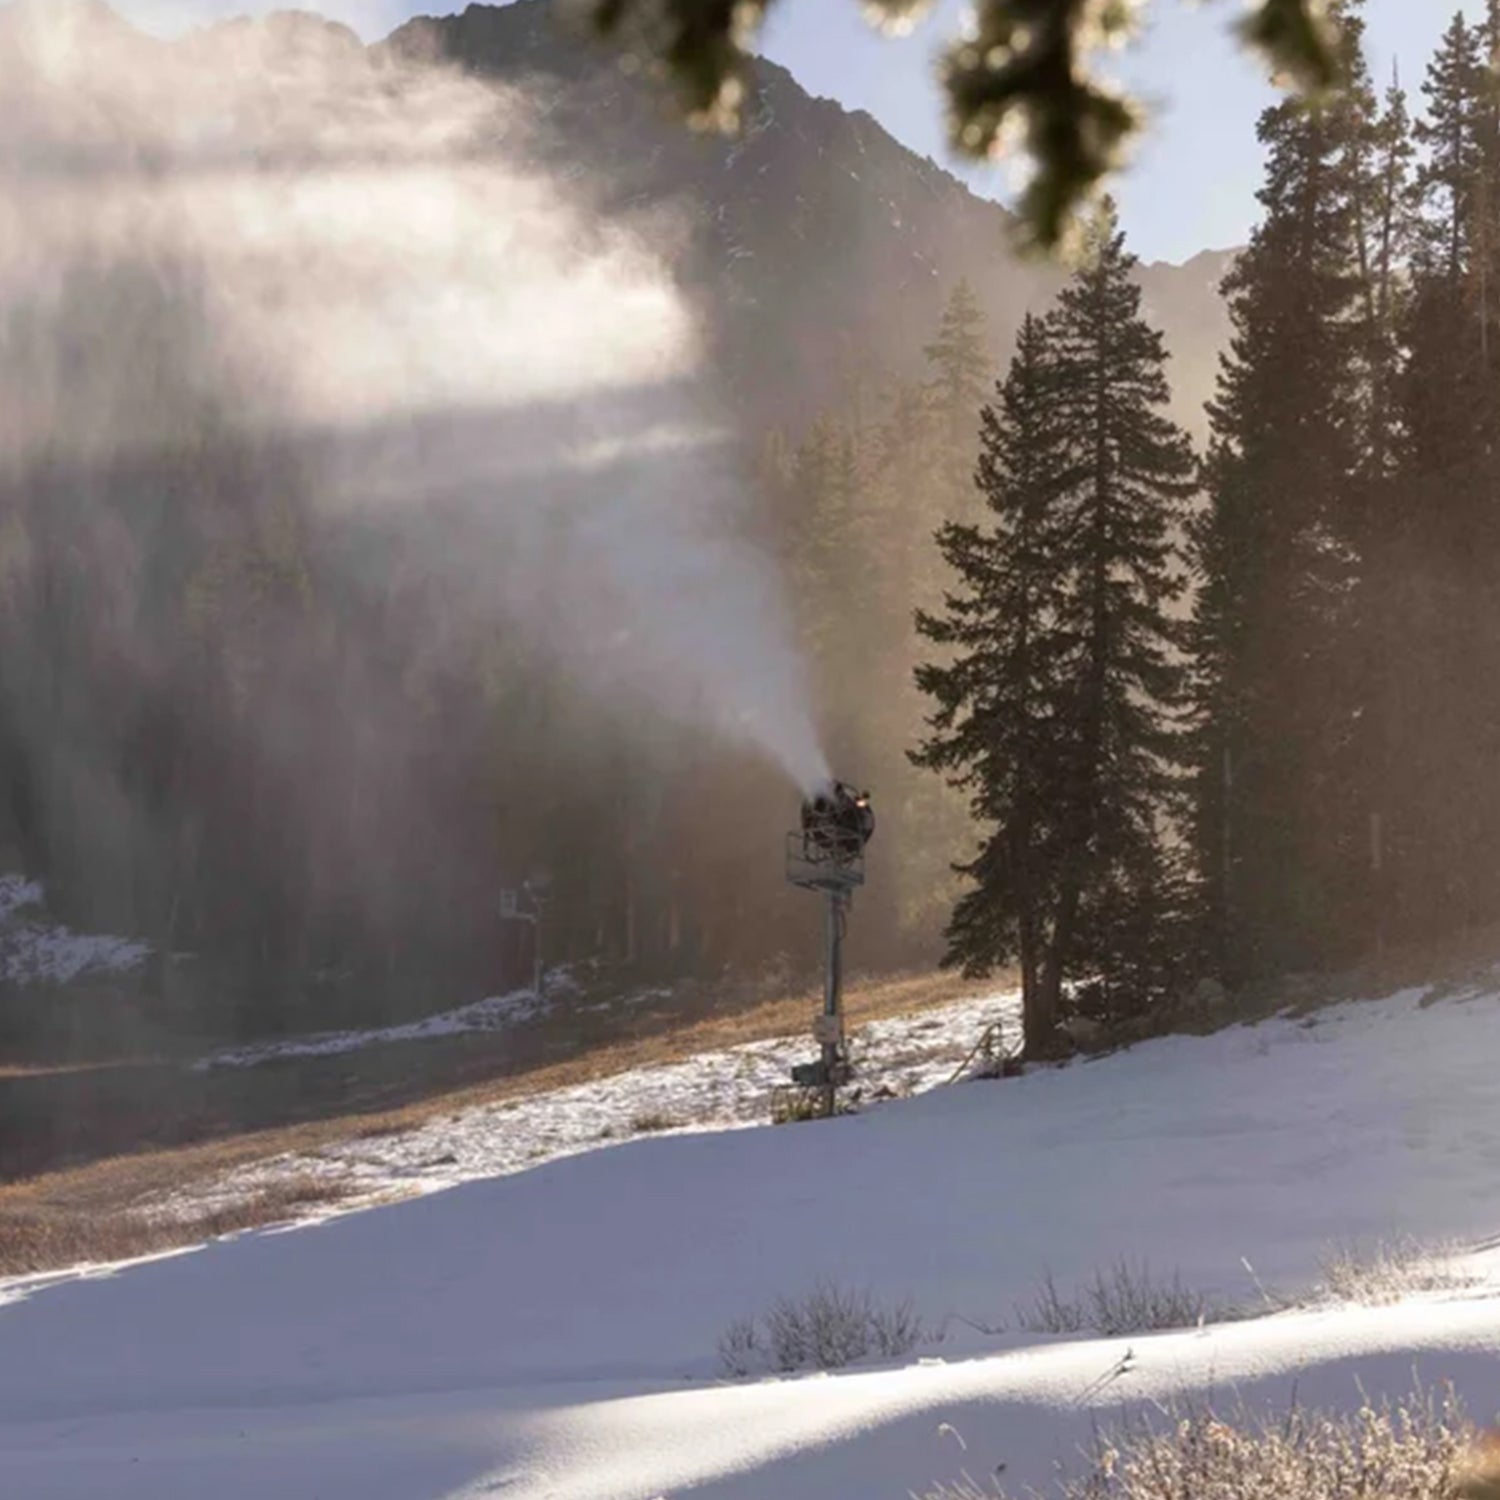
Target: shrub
(740,1351)
(1389,1270)
(829,1328)
(1124,1299)
(793,1103)
(1415,1450)
(826,1330)
(1049,1311)
(654,1120)
(895,1330)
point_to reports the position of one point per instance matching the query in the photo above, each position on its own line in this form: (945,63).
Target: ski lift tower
(827,855)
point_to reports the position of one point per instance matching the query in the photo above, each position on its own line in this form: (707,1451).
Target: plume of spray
(281,241)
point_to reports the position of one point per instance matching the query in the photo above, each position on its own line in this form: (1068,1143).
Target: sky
(1192,184)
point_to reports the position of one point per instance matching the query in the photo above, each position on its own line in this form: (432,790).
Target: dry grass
(1390,1270)
(44,1220)
(44,1237)
(1418,1449)
(48,1070)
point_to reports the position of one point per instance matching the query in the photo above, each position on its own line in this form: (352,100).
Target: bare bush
(895,1330)
(1049,1311)
(829,1328)
(786,1332)
(838,1325)
(1388,1270)
(740,1351)
(652,1120)
(1414,1450)
(1124,1299)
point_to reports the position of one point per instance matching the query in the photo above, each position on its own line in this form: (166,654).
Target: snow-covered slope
(552,1332)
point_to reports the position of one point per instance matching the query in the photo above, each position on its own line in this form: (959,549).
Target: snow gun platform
(825,859)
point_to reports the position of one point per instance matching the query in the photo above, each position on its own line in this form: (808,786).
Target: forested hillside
(343,488)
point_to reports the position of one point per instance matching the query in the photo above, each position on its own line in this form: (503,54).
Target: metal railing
(825,857)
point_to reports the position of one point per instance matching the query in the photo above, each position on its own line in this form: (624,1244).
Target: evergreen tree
(1057,712)
(1447,392)
(958,362)
(1445,728)
(1385,227)
(1450,136)
(959,376)
(1131,473)
(1276,813)
(1381,608)
(996,691)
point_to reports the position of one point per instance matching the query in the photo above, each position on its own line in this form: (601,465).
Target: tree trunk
(1044,1039)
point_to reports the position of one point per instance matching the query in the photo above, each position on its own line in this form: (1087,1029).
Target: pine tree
(1275,828)
(957,359)
(1131,473)
(996,691)
(1385,229)
(1449,134)
(1447,392)
(1445,804)
(1379,521)
(958,379)
(1057,712)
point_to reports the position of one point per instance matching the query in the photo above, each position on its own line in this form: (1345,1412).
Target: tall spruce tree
(996,690)
(1446,804)
(959,375)
(1447,391)
(1057,709)
(1130,473)
(1379,521)
(1276,816)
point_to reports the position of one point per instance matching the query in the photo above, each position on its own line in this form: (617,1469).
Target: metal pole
(833,994)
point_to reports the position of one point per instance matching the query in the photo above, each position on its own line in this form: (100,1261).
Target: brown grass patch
(44,1237)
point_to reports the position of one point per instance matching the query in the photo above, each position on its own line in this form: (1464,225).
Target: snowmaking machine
(827,854)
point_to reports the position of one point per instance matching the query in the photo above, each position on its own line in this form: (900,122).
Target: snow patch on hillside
(723,1089)
(497,1013)
(34,950)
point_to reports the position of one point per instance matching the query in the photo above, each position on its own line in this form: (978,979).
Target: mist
(267,245)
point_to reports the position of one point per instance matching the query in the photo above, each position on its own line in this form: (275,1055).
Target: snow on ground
(550,1334)
(36,951)
(494,1014)
(718,1090)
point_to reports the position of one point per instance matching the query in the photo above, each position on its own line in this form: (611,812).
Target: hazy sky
(1193,183)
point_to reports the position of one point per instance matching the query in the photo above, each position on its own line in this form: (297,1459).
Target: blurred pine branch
(1022,82)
